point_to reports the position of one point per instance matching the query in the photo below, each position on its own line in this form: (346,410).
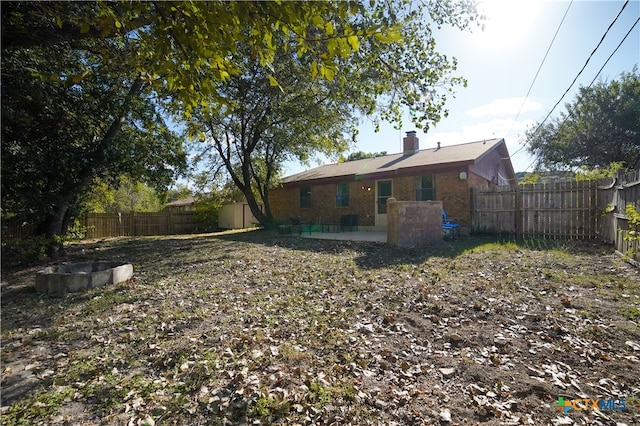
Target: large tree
(601,127)
(261,125)
(186,47)
(82,82)
(69,118)
(132,55)
(264,121)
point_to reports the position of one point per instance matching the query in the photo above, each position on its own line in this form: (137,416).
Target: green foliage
(262,123)
(206,213)
(125,196)
(211,195)
(633,234)
(582,174)
(76,231)
(545,176)
(632,313)
(529,178)
(270,407)
(601,127)
(262,126)
(175,50)
(359,155)
(586,173)
(61,132)
(39,407)
(32,250)
(84,82)
(25,251)
(179,192)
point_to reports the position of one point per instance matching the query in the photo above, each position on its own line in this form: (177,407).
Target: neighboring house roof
(396,164)
(190,200)
(184,202)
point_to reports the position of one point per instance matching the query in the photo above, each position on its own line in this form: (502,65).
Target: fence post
(518,211)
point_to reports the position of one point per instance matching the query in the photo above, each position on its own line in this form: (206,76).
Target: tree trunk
(56,223)
(264,219)
(54,227)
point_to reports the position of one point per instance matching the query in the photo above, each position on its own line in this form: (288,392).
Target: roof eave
(407,171)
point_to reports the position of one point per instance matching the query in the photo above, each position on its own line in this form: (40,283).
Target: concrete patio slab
(349,236)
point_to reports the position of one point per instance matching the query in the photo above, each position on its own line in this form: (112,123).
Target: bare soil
(256,328)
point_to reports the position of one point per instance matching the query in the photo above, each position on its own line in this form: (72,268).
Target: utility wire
(583,67)
(594,79)
(515,120)
(571,112)
(580,98)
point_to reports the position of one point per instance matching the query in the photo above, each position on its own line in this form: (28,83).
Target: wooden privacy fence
(568,210)
(555,210)
(622,191)
(100,225)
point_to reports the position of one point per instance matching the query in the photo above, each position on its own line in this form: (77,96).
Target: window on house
(342,195)
(425,188)
(305,197)
(384,191)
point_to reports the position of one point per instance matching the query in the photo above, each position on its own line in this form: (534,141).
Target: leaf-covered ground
(256,328)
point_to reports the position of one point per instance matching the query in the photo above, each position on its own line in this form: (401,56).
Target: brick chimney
(410,144)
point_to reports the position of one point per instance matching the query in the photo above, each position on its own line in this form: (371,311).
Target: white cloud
(513,133)
(505,106)
(496,128)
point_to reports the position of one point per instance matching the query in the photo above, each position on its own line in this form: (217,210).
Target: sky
(501,62)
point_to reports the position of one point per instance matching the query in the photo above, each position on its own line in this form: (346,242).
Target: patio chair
(298,225)
(349,222)
(449,226)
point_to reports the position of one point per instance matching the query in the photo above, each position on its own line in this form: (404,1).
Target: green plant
(319,394)
(206,211)
(269,406)
(631,313)
(529,179)
(632,235)
(25,251)
(633,401)
(595,173)
(76,231)
(38,408)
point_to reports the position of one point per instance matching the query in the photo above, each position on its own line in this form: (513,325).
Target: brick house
(361,187)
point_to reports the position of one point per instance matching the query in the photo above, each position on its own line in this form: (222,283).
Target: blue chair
(449,227)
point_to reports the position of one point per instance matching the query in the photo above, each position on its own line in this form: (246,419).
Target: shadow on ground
(373,255)
(157,258)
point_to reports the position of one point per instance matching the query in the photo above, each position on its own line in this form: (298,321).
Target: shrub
(26,251)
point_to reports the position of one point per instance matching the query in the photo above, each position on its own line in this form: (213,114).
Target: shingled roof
(443,156)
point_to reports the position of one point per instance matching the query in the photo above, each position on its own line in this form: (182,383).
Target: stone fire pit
(59,280)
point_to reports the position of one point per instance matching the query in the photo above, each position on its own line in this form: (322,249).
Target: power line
(571,112)
(539,68)
(581,70)
(614,51)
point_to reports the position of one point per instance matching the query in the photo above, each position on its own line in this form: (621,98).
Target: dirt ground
(257,328)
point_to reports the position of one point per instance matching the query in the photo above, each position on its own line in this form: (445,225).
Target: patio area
(375,236)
